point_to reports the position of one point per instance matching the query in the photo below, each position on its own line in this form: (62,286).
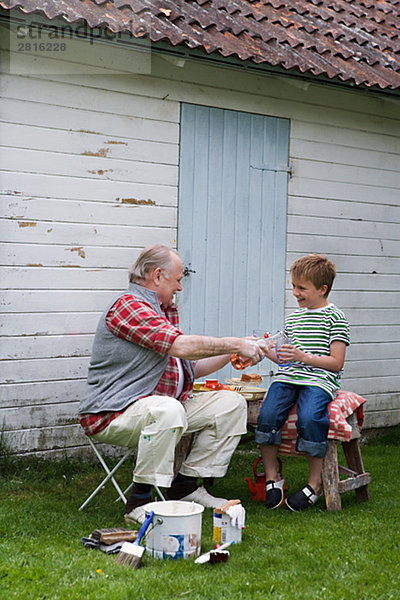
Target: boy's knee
(312,428)
(267,417)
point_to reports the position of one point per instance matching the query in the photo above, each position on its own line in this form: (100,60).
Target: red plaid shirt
(136,321)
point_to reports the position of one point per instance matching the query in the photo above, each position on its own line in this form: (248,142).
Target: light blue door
(232,223)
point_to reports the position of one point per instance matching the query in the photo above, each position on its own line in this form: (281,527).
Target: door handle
(187,270)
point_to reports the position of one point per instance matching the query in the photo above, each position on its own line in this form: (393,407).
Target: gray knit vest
(120,372)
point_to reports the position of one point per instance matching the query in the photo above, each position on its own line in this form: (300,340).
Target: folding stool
(110,475)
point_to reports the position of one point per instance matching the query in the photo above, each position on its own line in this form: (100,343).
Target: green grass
(352,554)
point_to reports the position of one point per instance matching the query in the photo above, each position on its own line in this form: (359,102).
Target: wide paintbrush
(131,554)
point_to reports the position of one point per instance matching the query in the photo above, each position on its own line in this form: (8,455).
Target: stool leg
(124,493)
(159,493)
(330,478)
(354,460)
(109,476)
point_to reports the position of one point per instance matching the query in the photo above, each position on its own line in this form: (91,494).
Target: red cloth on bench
(345,404)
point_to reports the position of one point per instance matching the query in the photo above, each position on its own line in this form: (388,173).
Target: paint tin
(176,531)
(223,530)
(212,384)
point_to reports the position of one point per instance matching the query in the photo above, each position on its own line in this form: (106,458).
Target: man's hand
(251,348)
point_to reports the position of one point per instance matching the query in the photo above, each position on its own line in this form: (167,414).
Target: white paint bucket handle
(153,525)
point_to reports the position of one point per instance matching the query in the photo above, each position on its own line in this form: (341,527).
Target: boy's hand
(288,353)
(334,362)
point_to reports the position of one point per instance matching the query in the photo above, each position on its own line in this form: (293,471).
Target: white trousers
(155,425)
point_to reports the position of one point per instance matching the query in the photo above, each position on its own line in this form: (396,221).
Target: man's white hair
(149,259)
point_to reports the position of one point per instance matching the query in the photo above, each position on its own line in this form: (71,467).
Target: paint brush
(200,560)
(131,554)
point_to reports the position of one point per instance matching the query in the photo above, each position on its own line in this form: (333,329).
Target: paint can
(212,384)
(176,529)
(223,530)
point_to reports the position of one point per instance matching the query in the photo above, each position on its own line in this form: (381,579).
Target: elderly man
(140,382)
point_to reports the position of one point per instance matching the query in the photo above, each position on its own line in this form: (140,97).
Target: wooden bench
(356,477)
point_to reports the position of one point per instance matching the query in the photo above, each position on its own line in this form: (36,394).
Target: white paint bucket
(176,529)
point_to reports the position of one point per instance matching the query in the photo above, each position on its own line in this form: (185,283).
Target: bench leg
(354,460)
(330,478)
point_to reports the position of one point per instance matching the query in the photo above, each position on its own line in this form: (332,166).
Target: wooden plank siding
(90,176)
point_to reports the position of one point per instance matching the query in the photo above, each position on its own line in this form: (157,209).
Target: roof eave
(183,53)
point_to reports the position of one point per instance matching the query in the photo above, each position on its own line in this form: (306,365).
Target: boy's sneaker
(302,499)
(275,493)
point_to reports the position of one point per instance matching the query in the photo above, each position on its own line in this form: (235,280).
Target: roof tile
(350,40)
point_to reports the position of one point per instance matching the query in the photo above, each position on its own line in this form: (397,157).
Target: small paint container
(223,530)
(212,384)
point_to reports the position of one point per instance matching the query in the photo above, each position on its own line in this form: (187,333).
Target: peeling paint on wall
(101,171)
(88,131)
(134,201)
(102,153)
(79,250)
(26,224)
(115,142)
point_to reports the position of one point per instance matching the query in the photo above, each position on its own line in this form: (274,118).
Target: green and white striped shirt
(313,331)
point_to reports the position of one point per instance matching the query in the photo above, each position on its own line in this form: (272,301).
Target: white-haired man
(140,382)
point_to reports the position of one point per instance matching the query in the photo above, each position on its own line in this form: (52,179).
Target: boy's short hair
(315,268)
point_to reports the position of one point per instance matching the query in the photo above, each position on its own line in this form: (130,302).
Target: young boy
(319,334)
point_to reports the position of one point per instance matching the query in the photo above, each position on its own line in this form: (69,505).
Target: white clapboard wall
(90,176)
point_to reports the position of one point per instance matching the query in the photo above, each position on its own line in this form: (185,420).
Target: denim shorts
(312,417)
